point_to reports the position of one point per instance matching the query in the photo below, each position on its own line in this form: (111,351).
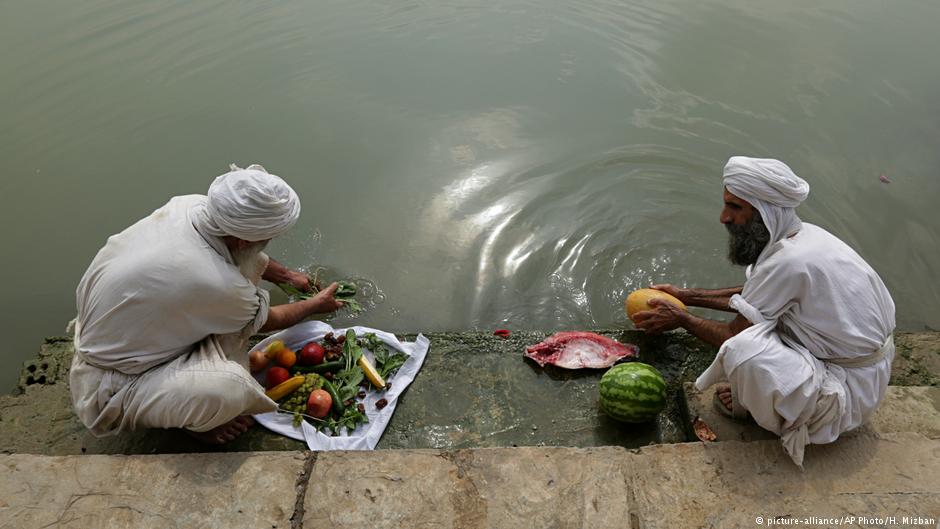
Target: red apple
(312,354)
(318,403)
(275,376)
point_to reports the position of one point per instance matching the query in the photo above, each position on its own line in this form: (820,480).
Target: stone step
(863,481)
(905,409)
(498,399)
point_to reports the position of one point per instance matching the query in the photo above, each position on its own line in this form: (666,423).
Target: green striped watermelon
(633,392)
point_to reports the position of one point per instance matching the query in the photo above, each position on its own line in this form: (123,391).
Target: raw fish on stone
(577,350)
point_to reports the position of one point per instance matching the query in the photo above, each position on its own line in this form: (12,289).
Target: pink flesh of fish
(577,350)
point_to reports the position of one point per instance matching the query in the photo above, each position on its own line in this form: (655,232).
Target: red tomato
(318,404)
(312,354)
(275,376)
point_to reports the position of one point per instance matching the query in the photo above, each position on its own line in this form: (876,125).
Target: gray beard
(745,243)
(247,262)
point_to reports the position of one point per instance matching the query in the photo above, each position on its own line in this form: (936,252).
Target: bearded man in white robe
(166,308)
(808,355)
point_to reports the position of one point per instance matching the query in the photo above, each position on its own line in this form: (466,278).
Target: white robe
(163,313)
(811,298)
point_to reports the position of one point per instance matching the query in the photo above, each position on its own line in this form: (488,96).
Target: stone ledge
(905,409)
(730,484)
(40,419)
(482,488)
(711,485)
(193,490)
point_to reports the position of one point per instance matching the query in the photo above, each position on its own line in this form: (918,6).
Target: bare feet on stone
(224,433)
(724,395)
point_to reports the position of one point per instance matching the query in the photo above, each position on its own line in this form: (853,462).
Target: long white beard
(247,260)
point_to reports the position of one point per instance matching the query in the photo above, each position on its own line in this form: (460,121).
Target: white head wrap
(773,189)
(249,204)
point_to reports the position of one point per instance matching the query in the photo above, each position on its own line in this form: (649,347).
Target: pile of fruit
(326,381)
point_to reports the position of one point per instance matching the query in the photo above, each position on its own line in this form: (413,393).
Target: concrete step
(711,485)
(905,409)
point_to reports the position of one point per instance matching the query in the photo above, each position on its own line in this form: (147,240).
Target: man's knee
(197,400)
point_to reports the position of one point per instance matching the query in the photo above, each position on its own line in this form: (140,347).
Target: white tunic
(163,317)
(159,287)
(812,298)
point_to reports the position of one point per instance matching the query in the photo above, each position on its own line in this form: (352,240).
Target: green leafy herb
(385,363)
(380,354)
(354,306)
(372,342)
(347,392)
(353,417)
(392,364)
(348,378)
(345,291)
(350,419)
(294,292)
(351,349)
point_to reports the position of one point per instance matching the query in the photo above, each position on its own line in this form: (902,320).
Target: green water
(486,164)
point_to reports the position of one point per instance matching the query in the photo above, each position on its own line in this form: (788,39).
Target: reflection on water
(519,164)
(562,245)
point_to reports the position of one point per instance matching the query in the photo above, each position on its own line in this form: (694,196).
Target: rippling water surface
(519,165)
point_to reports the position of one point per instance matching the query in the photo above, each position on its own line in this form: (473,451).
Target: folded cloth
(367,435)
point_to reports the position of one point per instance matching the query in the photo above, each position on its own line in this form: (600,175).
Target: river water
(510,164)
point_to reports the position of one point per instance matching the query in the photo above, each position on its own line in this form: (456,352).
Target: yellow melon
(638,300)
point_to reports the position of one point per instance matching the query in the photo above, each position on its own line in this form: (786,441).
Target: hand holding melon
(638,300)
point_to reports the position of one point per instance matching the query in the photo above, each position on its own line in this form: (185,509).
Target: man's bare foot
(226,432)
(724,395)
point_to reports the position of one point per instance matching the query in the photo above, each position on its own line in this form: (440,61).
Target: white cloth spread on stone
(813,298)
(162,310)
(366,436)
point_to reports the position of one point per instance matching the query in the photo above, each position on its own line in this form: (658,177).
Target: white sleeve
(264,306)
(773,287)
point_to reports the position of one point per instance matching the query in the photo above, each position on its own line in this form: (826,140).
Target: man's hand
(664,317)
(283,316)
(325,300)
(299,280)
(679,293)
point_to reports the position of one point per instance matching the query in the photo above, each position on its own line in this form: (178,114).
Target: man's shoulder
(176,208)
(795,254)
(819,232)
(184,202)
(817,250)
(811,239)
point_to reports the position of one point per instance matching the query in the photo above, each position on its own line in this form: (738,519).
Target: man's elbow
(272,323)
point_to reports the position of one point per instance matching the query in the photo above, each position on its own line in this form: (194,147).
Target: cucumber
(338,405)
(334,366)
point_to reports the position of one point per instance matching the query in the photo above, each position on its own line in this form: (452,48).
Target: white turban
(249,204)
(772,188)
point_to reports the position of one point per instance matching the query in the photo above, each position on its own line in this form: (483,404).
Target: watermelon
(633,392)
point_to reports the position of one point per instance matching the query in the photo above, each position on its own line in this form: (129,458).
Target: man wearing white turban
(167,305)
(808,355)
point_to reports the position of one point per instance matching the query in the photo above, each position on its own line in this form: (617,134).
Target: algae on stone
(475,390)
